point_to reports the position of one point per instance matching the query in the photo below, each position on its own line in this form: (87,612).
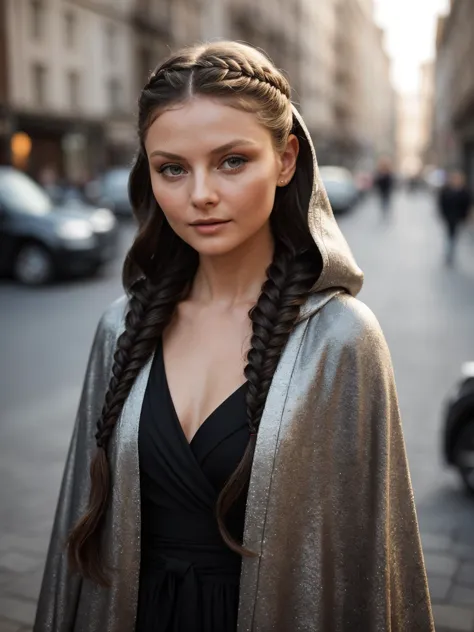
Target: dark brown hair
(160,267)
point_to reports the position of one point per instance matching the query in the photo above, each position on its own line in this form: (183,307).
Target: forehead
(203,124)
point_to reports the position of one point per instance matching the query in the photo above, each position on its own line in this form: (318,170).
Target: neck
(236,277)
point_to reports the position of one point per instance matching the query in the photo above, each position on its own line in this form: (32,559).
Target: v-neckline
(173,407)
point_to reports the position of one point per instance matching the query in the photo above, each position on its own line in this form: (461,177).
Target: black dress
(189,578)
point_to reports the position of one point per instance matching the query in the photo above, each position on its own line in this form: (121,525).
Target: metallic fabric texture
(330,510)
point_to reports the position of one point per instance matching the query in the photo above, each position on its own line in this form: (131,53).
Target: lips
(210,226)
(209,222)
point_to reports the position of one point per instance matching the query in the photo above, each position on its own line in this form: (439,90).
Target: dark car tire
(464,455)
(33,264)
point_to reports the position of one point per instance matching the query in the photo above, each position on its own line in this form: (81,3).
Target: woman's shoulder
(112,320)
(349,322)
(346,332)
(114,314)
(110,326)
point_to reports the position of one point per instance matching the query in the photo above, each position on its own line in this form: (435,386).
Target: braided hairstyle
(159,268)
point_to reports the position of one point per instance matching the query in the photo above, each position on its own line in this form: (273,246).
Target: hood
(73,211)
(340,271)
(60,214)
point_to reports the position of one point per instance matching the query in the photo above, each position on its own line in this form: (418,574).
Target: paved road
(426,311)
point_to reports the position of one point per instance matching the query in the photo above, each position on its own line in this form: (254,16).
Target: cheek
(253,199)
(171,200)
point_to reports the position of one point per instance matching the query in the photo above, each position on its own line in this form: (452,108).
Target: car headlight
(75,229)
(467,369)
(103,220)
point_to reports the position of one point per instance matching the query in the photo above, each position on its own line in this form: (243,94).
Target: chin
(214,246)
(213,249)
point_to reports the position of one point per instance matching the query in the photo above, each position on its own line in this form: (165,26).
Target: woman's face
(214,172)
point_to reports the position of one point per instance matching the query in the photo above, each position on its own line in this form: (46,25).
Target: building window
(39,84)
(110,42)
(74,87)
(70,26)
(37,19)
(115,95)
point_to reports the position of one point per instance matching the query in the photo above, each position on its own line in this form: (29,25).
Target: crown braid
(237,73)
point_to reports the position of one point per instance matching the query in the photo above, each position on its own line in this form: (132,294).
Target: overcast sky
(410,27)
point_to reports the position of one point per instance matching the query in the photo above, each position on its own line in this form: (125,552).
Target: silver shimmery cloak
(330,509)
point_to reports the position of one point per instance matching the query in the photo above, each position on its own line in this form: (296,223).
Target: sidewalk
(430,305)
(21,570)
(449,563)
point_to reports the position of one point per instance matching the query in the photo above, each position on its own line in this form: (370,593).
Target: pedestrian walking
(239,416)
(384,184)
(454,204)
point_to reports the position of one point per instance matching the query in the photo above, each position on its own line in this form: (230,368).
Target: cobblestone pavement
(411,279)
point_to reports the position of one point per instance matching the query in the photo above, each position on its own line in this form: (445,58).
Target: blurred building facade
(333,53)
(4,116)
(69,82)
(415,125)
(409,138)
(299,37)
(365,99)
(427,93)
(272,25)
(71,71)
(159,27)
(415,113)
(453,125)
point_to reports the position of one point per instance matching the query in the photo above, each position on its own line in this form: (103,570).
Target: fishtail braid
(289,281)
(150,310)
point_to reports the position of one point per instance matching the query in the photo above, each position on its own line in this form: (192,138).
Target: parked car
(458,431)
(341,188)
(64,195)
(40,241)
(111,191)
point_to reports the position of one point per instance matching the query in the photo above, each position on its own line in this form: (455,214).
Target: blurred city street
(425,310)
(386,90)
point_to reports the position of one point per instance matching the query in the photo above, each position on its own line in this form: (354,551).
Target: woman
(250,470)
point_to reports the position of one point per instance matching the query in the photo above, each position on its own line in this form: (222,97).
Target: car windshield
(22,195)
(335,174)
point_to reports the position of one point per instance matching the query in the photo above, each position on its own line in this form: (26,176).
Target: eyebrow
(218,150)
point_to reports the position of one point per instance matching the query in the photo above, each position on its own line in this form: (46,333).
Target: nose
(203,192)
